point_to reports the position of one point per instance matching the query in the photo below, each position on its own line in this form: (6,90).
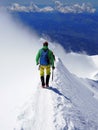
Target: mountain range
(75,8)
(76,32)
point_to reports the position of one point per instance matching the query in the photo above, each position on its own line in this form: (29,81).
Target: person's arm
(37,57)
(51,59)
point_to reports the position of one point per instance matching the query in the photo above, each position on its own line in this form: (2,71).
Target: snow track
(41,112)
(44,110)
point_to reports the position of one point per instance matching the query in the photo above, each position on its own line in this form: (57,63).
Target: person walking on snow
(45,59)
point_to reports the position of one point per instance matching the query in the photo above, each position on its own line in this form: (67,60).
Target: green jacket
(50,55)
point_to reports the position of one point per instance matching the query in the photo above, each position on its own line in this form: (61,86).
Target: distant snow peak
(58,3)
(76,8)
(17,7)
(32,8)
(47,9)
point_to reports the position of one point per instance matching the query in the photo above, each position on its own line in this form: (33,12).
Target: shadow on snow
(55,90)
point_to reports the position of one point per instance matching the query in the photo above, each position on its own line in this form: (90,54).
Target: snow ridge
(81,112)
(68,104)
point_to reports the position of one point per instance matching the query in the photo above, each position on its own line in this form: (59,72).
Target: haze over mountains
(75,32)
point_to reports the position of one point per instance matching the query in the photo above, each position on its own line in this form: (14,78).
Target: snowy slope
(71,103)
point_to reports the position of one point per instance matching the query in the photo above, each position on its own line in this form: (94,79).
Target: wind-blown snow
(16,68)
(71,100)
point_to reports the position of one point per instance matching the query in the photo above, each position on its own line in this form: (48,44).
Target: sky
(47,2)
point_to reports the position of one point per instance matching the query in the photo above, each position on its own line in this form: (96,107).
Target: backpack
(44,59)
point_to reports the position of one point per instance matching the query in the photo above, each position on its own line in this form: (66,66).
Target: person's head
(45,45)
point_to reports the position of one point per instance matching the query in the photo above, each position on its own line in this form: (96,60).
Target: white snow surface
(70,103)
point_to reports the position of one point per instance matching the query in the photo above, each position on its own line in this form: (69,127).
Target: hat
(45,43)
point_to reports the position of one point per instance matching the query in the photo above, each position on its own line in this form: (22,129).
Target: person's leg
(42,75)
(47,75)
(47,80)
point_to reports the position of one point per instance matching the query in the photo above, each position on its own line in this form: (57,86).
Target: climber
(45,59)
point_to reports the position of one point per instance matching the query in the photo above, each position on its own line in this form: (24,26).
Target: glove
(37,63)
(53,67)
